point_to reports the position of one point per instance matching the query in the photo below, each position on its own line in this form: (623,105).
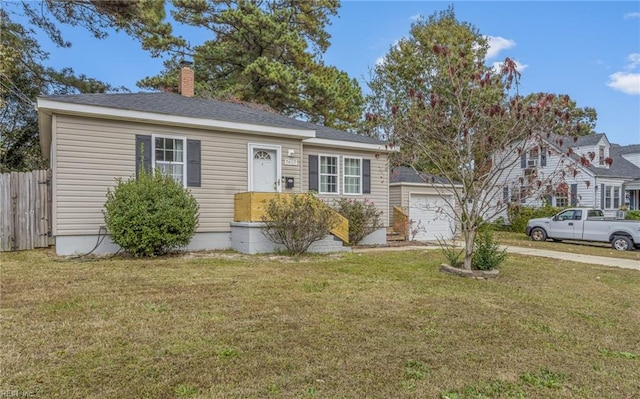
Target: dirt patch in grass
(577,247)
(384,325)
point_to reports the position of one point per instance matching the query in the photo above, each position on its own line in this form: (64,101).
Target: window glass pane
(169,157)
(607,196)
(351,185)
(328,174)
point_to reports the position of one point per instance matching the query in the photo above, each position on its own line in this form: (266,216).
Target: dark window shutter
(574,195)
(549,200)
(505,194)
(143,153)
(523,160)
(543,157)
(313,173)
(602,196)
(366,176)
(193,163)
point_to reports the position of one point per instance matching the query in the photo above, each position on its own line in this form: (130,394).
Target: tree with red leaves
(456,117)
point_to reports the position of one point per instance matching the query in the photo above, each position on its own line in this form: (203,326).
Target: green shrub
(519,215)
(297,221)
(150,216)
(451,251)
(487,254)
(632,215)
(363,216)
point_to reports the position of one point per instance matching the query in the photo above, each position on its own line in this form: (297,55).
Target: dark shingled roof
(178,105)
(620,166)
(404,174)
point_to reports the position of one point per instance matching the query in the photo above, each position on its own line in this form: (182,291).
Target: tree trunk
(469,238)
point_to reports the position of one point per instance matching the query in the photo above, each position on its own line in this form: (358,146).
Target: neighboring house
(216,149)
(425,200)
(609,181)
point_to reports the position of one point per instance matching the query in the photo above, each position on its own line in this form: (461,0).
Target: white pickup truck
(585,224)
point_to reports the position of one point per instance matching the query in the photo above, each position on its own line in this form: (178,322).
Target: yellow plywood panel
(249,207)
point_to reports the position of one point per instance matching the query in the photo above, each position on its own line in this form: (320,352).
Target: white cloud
(632,15)
(415,17)
(380,60)
(497,66)
(627,81)
(634,61)
(497,44)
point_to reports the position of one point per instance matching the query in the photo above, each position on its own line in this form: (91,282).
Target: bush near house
(632,215)
(297,221)
(363,216)
(487,254)
(150,215)
(519,215)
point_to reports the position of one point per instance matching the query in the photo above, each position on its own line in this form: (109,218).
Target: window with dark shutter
(313,173)
(523,160)
(193,163)
(143,153)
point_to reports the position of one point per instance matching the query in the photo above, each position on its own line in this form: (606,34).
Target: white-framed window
(328,174)
(611,197)
(352,176)
(532,161)
(601,155)
(562,201)
(169,156)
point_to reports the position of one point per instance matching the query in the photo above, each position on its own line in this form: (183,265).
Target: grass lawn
(577,247)
(374,325)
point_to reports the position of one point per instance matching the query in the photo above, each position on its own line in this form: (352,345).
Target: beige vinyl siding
(90,153)
(395,199)
(379,176)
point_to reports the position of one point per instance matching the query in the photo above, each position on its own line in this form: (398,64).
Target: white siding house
(588,172)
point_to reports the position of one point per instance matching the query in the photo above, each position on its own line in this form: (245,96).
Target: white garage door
(431,217)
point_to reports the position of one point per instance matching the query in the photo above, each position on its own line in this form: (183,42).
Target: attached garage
(425,201)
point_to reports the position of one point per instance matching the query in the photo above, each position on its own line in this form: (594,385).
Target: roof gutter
(151,117)
(351,145)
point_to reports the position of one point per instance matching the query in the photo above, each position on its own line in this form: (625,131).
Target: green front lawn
(376,325)
(577,247)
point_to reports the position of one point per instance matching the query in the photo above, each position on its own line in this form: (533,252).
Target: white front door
(263,169)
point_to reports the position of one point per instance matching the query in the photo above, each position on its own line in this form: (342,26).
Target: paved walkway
(594,260)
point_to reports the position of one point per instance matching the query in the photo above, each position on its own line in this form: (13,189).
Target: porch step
(393,236)
(329,244)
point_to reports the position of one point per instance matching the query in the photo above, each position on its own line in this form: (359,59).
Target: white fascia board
(350,145)
(425,184)
(125,114)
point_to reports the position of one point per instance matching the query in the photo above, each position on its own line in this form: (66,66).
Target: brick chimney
(186,79)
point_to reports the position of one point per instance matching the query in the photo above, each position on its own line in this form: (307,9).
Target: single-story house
(424,201)
(218,150)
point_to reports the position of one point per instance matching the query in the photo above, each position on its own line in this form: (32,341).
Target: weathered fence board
(25,210)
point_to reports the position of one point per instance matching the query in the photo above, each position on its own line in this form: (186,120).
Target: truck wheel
(622,243)
(538,234)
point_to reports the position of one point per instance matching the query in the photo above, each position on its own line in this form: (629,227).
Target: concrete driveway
(594,260)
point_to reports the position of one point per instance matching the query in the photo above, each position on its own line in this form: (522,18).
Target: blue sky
(589,50)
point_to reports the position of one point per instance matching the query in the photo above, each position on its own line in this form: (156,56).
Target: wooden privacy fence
(25,210)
